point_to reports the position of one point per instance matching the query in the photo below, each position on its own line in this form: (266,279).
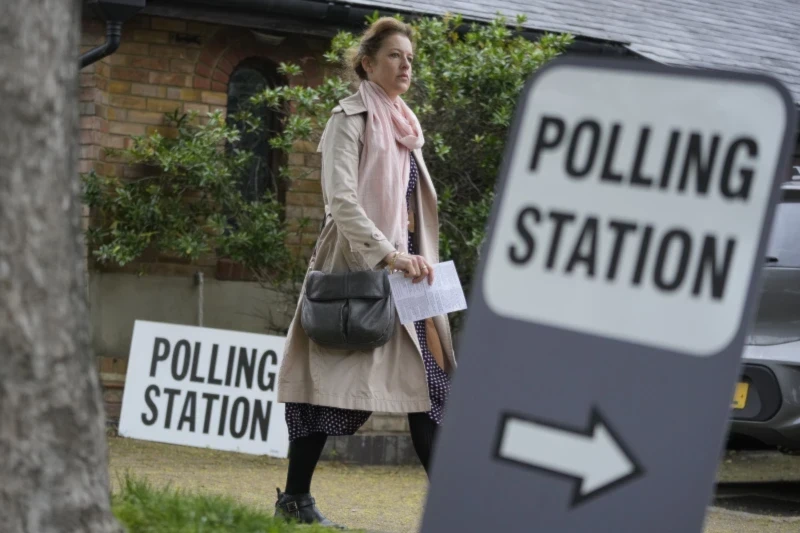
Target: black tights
(304,453)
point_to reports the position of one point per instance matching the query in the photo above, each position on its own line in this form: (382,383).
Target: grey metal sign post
(607,318)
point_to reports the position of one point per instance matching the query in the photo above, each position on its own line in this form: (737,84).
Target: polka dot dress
(304,419)
(438,380)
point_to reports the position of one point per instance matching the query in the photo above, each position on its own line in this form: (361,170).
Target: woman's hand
(414,266)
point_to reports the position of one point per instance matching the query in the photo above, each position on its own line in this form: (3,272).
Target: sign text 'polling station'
(626,198)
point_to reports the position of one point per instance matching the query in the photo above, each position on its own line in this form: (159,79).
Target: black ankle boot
(301,508)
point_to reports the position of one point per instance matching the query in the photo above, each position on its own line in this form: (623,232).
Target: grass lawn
(143,508)
(375,498)
(196,490)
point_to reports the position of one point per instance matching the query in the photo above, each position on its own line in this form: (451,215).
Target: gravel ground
(389,499)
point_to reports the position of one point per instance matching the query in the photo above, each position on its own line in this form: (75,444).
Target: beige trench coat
(390,378)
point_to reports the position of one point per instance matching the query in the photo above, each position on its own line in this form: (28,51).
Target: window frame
(274,157)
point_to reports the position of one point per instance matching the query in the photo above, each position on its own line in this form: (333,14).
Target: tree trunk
(53,455)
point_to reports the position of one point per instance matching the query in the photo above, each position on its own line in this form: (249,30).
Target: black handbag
(349,310)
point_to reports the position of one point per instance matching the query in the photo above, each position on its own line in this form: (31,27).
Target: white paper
(418,301)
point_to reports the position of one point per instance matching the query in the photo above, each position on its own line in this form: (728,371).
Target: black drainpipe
(115,13)
(113,39)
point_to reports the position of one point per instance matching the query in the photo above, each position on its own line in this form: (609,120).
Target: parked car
(766,405)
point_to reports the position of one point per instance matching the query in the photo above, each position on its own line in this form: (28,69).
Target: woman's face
(391,66)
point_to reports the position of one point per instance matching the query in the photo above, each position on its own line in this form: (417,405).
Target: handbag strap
(321,228)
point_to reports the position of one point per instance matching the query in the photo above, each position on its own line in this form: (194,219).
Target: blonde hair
(372,40)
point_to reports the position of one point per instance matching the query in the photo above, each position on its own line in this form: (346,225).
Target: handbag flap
(365,284)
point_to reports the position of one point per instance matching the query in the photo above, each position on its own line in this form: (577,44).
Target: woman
(380,213)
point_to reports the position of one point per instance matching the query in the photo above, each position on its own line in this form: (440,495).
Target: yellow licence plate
(740,396)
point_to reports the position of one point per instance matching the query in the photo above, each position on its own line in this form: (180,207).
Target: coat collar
(353,104)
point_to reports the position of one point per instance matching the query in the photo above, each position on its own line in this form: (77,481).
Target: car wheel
(789,450)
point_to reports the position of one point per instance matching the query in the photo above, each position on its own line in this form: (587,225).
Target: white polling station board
(204,387)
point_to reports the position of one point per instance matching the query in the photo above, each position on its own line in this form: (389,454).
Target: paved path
(759,492)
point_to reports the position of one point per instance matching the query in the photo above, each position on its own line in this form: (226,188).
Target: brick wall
(112,375)
(167,64)
(304,198)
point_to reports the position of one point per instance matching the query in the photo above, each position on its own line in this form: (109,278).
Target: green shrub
(466,84)
(467,79)
(188,202)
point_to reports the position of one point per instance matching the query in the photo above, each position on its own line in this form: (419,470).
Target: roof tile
(749,35)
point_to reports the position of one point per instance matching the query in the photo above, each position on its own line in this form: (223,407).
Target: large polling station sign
(204,387)
(621,270)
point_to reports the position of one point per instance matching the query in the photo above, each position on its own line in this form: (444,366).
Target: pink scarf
(392,131)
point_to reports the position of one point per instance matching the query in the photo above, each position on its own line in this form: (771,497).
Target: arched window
(251,77)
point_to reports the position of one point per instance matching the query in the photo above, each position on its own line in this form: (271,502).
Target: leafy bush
(467,79)
(466,84)
(188,201)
